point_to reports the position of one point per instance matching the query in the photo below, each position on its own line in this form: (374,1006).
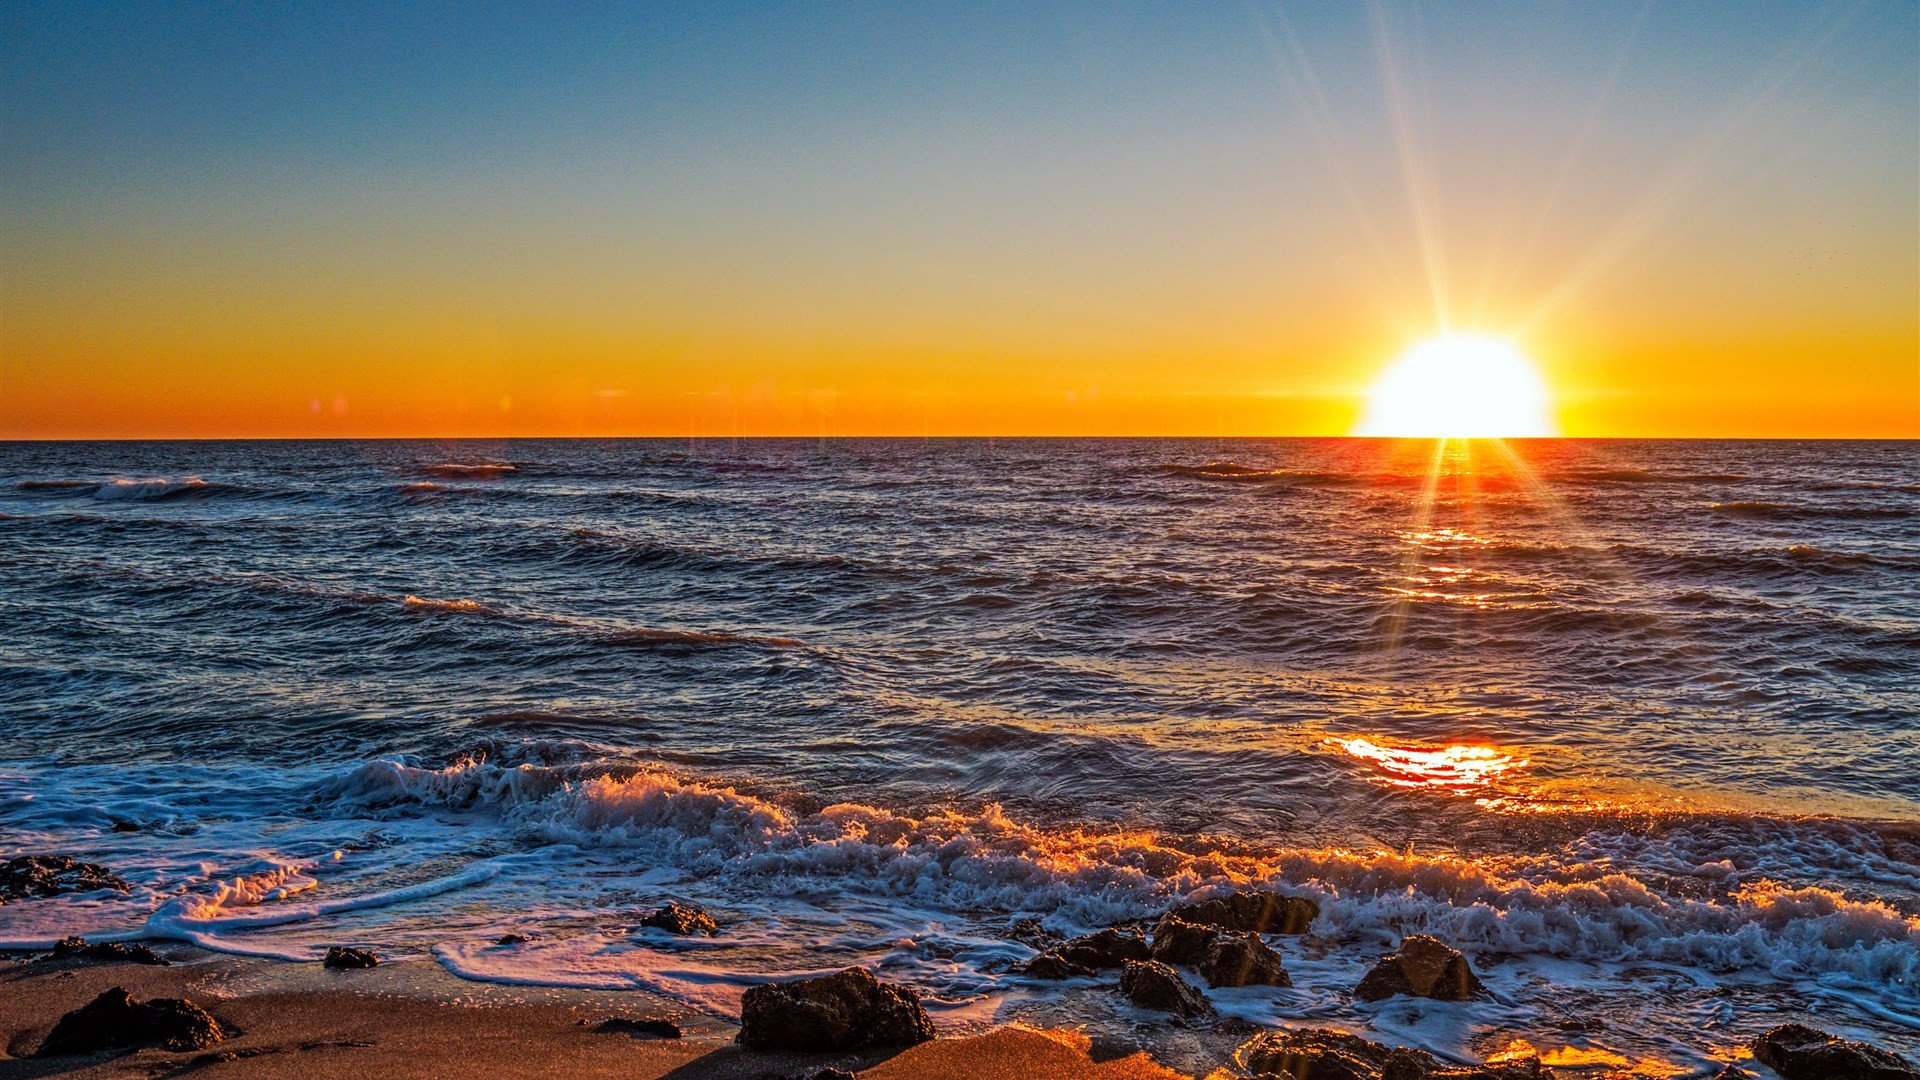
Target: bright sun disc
(1459,387)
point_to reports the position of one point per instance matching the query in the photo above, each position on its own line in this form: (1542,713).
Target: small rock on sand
(1153,985)
(346,957)
(75,948)
(638,1027)
(115,1021)
(681,919)
(847,1010)
(1798,1052)
(1421,967)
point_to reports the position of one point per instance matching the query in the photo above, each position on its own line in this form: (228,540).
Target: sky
(821,219)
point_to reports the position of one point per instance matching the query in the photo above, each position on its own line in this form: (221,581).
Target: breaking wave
(191,487)
(1624,897)
(1780,511)
(485,470)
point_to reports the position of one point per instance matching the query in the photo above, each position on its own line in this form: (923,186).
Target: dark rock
(514,939)
(828,1073)
(1733,1072)
(1260,912)
(1312,1054)
(1422,967)
(344,957)
(1798,1052)
(25,876)
(1177,941)
(681,919)
(1030,933)
(1151,984)
(1321,1054)
(1107,948)
(847,1010)
(126,826)
(1224,958)
(80,949)
(1052,966)
(638,1027)
(114,1021)
(1242,960)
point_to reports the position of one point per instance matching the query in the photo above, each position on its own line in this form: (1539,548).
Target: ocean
(1634,724)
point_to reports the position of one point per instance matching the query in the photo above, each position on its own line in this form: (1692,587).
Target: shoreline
(410,1018)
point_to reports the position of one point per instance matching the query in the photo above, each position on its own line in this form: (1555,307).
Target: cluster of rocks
(1218,938)
(26,876)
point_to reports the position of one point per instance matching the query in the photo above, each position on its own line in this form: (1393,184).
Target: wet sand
(410,1019)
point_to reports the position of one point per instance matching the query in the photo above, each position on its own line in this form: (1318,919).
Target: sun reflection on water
(1575,1057)
(1448,768)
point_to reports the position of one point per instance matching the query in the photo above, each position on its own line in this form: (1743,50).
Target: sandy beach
(408,1019)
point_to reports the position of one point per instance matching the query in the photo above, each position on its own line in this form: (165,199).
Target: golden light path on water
(1460,768)
(1453,768)
(1575,1057)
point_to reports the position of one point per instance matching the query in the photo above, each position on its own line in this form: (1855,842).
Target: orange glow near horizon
(1229,236)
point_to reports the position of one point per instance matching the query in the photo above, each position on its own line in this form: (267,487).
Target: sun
(1459,387)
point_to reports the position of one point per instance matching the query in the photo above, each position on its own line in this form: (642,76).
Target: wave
(1781,511)
(1235,472)
(485,470)
(1790,561)
(1644,476)
(465,607)
(191,487)
(1612,897)
(620,636)
(647,637)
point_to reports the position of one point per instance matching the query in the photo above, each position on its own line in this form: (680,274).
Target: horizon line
(895,437)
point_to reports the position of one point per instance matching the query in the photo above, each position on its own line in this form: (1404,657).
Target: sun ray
(1310,96)
(1575,153)
(1420,201)
(1680,179)
(1410,563)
